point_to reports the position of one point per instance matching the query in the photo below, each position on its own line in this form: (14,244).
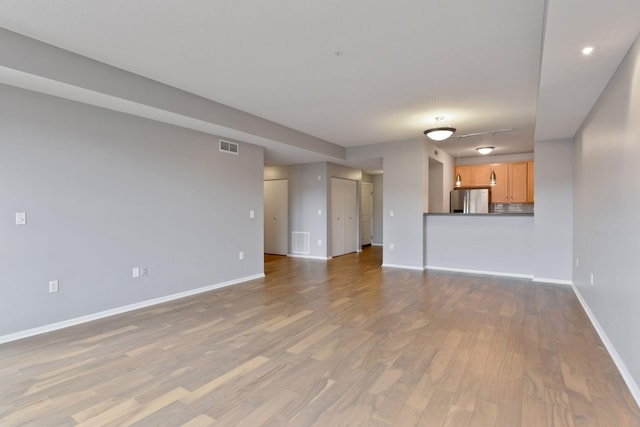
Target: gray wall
(377,209)
(404,194)
(307,194)
(105,192)
(553,239)
(606,206)
(96,83)
(275,172)
(500,245)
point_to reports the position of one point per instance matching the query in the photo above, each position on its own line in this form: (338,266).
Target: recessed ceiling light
(587,50)
(484,150)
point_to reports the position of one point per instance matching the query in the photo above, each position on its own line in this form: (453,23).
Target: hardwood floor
(341,343)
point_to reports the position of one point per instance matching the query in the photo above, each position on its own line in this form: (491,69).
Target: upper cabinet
(518,182)
(481,175)
(500,191)
(466,176)
(473,175)
(514,181)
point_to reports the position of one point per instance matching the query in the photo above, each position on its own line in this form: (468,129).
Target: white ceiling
(399,64)
(570,82)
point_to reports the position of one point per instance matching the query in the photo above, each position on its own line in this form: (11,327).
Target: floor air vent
(300,242)
(228,147)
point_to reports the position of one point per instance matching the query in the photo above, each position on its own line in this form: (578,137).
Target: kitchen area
(489,226)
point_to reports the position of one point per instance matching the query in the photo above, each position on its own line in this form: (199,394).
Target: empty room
(306,213)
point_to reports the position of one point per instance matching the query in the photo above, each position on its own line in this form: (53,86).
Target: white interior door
(337,217)
(350,216)
(343,216)
(276,216)
(366,209)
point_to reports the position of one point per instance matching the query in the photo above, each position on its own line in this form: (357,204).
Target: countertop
(479,214)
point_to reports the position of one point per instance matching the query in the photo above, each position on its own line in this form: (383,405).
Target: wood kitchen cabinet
(500,191)
(530,181)
(481,175)
(518,182)
(514,181)
(466,173)
(473,175)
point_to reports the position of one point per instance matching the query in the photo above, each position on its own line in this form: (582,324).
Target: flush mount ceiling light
(588,50)
(485,150)
(439,133)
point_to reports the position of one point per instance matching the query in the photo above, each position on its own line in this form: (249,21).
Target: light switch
(21,218)
(53,286)
(252,214)
(135,272)
(319,212)
(391,212)
(319,178)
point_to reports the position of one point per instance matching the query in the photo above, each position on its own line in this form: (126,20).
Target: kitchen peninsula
(498,244)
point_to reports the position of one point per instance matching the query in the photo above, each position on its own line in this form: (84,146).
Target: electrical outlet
(241,255)
(392,246)
(21,218)
(592,278)
(53,286)
(143,270)
(135,273)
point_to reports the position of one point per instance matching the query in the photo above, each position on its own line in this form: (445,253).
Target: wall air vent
(228,147)
(300,242)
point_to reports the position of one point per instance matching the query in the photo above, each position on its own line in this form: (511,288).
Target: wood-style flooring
(337,343)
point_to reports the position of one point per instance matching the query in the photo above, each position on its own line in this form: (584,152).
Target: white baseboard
(376,244)
(487,273)
(552,281)
(118,310)
(309,257)
(404,267)
(622,368)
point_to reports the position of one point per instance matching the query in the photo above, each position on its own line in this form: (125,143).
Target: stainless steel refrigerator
(470,200)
